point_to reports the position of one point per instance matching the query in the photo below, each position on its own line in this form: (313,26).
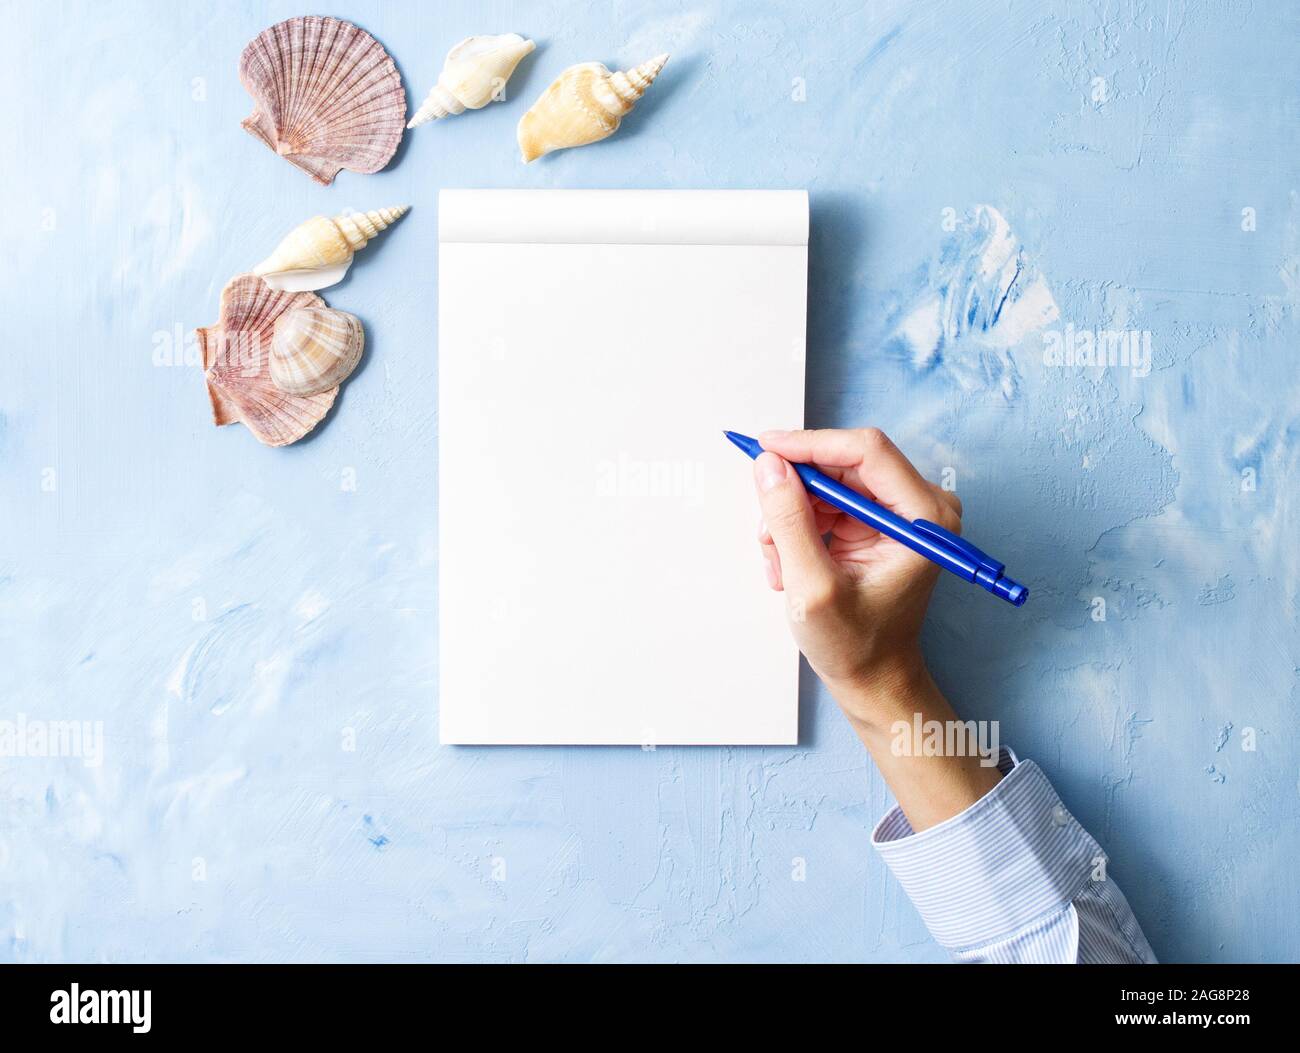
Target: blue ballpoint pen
(940,546)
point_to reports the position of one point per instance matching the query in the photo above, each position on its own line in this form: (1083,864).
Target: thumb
(806,566)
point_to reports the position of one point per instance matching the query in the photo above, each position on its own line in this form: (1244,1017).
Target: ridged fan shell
(314,349)
(327,96)
(236,364)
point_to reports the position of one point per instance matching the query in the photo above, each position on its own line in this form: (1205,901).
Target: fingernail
(762,530)
(769,469)
(773,434)
(769,572)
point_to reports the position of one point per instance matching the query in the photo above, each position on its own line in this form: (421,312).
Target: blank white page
(599,576)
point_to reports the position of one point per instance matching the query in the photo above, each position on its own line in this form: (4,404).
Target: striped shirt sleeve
(1014,878)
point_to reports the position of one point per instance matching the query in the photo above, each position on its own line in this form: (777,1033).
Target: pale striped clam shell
(315,349)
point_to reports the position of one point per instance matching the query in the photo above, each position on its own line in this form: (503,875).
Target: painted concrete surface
(256,628)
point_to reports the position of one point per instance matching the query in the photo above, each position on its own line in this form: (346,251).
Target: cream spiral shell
(475,72)
(584,104)
(317,253)
(314,349)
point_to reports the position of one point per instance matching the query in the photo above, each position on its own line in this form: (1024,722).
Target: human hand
(856,601)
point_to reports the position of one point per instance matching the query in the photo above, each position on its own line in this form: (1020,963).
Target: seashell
(583,105)
(327,96)
(318,253)
(314,349)
(236,364)
(475,72)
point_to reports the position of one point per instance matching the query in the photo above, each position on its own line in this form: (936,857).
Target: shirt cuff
(1012,858)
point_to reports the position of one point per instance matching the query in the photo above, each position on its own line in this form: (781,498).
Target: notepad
(600,581)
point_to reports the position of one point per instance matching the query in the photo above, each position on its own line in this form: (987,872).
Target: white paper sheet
(599,578)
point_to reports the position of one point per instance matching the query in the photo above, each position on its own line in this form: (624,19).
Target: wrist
(887,691)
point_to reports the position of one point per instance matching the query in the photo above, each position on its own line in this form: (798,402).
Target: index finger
(867,453)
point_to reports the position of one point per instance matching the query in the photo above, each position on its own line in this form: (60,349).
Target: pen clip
(982,560)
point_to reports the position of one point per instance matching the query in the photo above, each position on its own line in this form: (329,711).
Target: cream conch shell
(583,105)
(475,72)
(314,349)
(318,253)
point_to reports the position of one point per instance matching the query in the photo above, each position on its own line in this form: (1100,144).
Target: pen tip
(744,442)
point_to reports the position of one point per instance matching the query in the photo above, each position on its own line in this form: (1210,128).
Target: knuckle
(949,517)
(818,598)
(948,502)
(874,439)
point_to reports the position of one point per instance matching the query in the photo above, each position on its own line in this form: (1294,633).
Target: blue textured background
(236,618)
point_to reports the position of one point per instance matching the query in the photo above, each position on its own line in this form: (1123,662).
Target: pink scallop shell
(327,95)
(237,364)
